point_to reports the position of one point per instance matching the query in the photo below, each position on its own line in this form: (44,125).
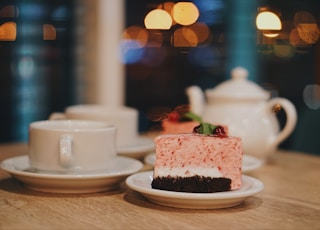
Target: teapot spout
(196,99)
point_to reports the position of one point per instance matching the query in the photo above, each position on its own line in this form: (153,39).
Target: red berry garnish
(196,129)
(209,129)
(174,116)
(219,131)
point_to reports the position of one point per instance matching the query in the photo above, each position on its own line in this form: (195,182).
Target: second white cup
(124,118)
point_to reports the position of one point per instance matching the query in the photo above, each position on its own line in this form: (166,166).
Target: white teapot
(247,110)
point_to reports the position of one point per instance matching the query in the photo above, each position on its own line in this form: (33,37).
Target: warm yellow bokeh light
(190,36)
(158,19)
(307,27)
(309,32)
(296,40)
(49,32)
(268,21)
(8,31)
(201,30)
(185,13)
(136,33)
(184,37)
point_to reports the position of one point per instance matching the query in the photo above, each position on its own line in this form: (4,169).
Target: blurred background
(145,53)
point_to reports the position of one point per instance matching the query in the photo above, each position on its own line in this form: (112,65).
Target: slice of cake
(205,161)
(172,127)
(178,122)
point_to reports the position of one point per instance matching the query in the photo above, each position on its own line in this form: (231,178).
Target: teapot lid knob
(238,87)
(239,73)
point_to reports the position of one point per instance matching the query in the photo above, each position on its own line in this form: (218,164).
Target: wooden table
(290,200)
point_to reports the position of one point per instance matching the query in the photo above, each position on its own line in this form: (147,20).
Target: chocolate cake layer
(194,184)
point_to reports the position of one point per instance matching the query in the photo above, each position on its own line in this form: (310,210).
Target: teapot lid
(238,87)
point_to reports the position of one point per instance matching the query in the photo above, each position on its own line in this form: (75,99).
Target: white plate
(249,163)
(89,182)
(143,146)
(141,182)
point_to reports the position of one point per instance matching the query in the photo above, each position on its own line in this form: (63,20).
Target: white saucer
(249,163)
(141,182)
(89,182)
(143,146)
(150,159)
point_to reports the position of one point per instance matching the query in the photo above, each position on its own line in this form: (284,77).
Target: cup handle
(291,118)
(57,116)
(66,150)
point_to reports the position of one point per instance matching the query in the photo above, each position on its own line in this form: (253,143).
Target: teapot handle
(291,118)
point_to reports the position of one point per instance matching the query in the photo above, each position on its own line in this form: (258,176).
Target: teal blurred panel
(37,74)
(241,36)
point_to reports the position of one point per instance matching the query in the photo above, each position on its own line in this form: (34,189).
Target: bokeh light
(295,39)
(49,32)
(268,20)
(201,30)
(309,33)
(269,23)
(185,13)
(136,34)
(311,96)
(26,67)
(8,31)
(184,37)
(307,27)
(158,19)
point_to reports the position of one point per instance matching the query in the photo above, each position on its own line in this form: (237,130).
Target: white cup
(124,118)
(71,145)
